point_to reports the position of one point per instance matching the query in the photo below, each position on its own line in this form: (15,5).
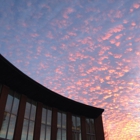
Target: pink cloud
(72,33)
(92,70)
(117,29)
(50,35)
(118,36)
(125,21)
(131,10)
(34,35)
(67,12)
(137,40)
(136,5)
(128,50)
(107,36)
(133,24)
(117,44)
(58,71)
(66,37)
(112,41)
(117,55)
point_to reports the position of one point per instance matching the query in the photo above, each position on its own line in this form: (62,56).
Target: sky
(86,50)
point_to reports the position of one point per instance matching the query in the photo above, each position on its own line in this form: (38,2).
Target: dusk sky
(86,50)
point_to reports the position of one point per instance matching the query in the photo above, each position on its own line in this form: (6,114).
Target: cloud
(136,5)
(86,51)
(68,11)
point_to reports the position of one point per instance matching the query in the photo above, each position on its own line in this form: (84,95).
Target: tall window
(76,128)
(61,126)
(29,120)
(46,124)
(90,130)
(10,115)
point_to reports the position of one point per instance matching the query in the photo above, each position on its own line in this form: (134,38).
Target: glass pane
(43,116)
(33,112)
(9,102)
(78,123)
(4,127)
(11,127)
(73,136)
(76,136)
(15,104)
(48,133)
(24,129)
(79,136)
(58,119)
(31,130)
(63,134)
(42,135)
(58,134)
(73,123)
(88,137)
(92,130)
(92,137)
(27,110)
(49,117)
(87,126)
(64,120)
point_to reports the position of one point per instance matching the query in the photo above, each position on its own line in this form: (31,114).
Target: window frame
(89,127)
(75,131)
(29,119)
(46,125)
(61,128)
(14,96)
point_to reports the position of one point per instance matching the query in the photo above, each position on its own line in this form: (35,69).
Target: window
(76,128)
(29,120)
(61,126)
(10,115)
(90,131)
(46,124)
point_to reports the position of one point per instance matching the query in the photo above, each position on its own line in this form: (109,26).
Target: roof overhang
(21,83)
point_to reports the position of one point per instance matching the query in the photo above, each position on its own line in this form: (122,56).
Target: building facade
(29,111)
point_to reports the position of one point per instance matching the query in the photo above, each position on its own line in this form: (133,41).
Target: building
(29,111)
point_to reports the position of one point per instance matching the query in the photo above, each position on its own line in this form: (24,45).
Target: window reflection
(90,130)
(49,117)
(64,121)
(73,123)
(31,130)
(4,127)
(33,111)
(16,101)
(42,136)
(29,119)
(58,134)
(11,126)
(63,134)
(10,115)
(9,102)
(46,124)
(58,119)
(25,129)
(61,126)
(44,113)
(27,110)
(76,128)
(48,133)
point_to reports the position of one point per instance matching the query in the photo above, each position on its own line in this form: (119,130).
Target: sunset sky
(86,50)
